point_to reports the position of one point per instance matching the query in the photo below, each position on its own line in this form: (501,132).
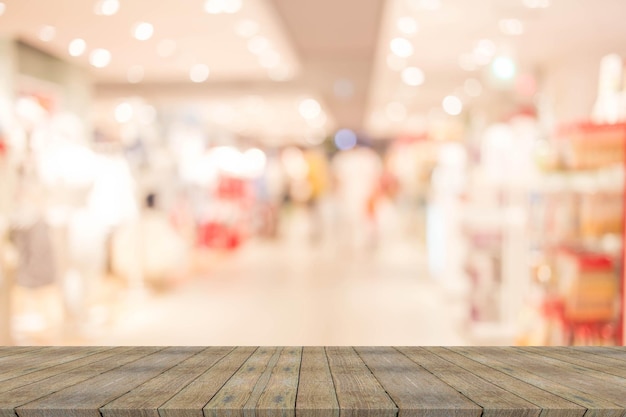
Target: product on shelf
(590,146)
(600,214)
(588,286)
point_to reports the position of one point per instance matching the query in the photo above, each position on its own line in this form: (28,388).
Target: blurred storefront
(506,195)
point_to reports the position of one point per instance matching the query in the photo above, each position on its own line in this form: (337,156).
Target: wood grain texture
(85,399)
(312,382)
(316,391)
(12,399)
(145,400)
(494,400)
(552,405)
(278,398)
(582,359)
(190,401)
(610,387)
(358,391)
(14,350)
(96,355)
(415,390)
(617,353)
(24,363)
(506,361)
(235,394)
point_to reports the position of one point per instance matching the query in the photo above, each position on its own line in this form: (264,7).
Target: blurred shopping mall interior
(312,172)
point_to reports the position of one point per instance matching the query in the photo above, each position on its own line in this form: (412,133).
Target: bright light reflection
(503,68)
(123,112)
(199,73)
(413,76)
(77,47)
(452,105)
(143,31)
(309,108)
(401,47)
(100,58)
(106,7)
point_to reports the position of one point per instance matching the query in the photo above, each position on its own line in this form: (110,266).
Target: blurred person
(357,174)
(319,182)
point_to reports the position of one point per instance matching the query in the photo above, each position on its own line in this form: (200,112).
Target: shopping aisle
(284,294)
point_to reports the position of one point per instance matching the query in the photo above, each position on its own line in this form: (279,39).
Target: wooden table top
(312,381)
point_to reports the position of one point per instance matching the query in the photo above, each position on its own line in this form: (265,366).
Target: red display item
(218,236)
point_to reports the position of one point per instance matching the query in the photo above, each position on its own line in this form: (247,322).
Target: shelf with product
(576,212)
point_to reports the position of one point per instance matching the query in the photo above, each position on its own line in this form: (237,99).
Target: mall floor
(274,294)
(286,292)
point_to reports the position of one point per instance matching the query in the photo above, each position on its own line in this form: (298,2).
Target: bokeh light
(345,139)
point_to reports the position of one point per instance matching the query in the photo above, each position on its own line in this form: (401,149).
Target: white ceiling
(322,42)
(201,38)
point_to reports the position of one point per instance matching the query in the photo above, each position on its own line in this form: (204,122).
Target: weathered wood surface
(312,382)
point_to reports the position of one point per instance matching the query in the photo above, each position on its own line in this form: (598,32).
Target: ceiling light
(47,33)
(199,73)
(258,45)
(100,58)
(513,27)
(222,6)
(452,105)
(413,76)
(106,7)
(309,108)
(401,47)
(246,28)
(472,87)
(135,74)
(123,112)
(77,47)
(536,4)
(395,111)
(143,31)
(166,48)
(407,25)
(503,68)
(345,139)
(3,7)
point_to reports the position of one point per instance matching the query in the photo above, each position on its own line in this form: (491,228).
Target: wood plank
(14,350)
(234,395)
(190,401)
(504,360)
(617,353)
(98,354)
(494,400)
(552,405)
(145,400)
(316,391)
(35,360)
(250,405)
(416,391)
(278,398)
(358,392)
(85,400)
(610,387)
(10,400)
(585,360)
